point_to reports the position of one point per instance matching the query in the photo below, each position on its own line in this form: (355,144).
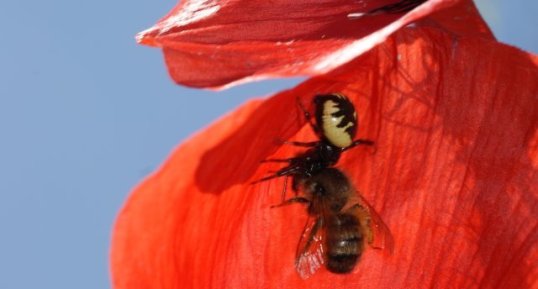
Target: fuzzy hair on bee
(340,224)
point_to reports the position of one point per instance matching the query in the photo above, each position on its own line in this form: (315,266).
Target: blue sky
(85,114)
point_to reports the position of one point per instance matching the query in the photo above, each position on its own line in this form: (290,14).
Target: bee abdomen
(344,243)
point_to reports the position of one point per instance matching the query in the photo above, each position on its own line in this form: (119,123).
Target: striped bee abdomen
(344,242)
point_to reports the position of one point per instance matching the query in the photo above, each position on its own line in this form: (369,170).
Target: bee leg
(297,182)
(353,207)
(291,201)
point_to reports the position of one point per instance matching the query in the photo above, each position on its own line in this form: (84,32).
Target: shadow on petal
(454,176)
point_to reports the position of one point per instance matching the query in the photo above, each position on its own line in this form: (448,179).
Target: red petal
(454,177)
(222,43)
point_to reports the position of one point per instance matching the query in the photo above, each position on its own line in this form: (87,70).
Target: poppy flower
(453,175)
(222,43)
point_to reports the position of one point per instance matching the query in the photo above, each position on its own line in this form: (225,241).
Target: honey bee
(335,125)
(339,225)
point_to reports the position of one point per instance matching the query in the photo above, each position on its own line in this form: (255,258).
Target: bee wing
(378,234)
(310,251)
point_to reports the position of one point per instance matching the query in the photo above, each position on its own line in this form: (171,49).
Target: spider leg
(359,142)
(276,160)
(285,188)
(308,117)
(265,179)
(302,144)
(286,171)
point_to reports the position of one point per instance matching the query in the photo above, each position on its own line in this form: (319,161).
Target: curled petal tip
(147,37)
(211,44)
